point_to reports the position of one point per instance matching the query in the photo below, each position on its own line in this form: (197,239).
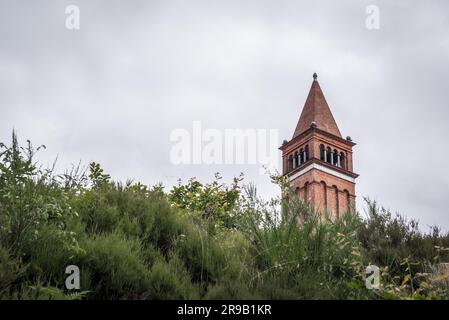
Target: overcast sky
(114,90)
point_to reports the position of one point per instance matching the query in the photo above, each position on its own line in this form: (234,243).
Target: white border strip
(324,169)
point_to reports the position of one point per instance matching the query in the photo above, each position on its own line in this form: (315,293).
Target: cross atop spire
(316,111)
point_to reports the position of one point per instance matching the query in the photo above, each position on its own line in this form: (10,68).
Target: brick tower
(318,161)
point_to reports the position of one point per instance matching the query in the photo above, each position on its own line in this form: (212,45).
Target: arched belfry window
(335,156)
(295,160)
(306,153)
(328,155)
(301,156)
(342,160)
(290,163)
(322,153)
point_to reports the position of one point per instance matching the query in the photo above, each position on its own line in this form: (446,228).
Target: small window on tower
(335,158)
(295,160)
(322,153)
(342,160)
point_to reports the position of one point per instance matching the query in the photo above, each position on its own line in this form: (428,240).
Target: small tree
(214,202)
(98,177)
(29,197)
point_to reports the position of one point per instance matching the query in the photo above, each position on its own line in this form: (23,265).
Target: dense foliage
(198,241)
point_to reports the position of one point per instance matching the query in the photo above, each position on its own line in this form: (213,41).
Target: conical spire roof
(317,111)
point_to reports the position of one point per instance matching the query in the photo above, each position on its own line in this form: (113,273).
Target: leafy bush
(213,202)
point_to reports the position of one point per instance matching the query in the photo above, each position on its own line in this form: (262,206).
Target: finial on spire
(315,76)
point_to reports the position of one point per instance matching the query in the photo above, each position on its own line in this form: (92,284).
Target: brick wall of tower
(327,193)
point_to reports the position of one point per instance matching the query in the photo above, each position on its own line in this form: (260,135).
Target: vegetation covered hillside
(197,241)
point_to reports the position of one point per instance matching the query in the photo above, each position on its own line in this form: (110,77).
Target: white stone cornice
(324,169)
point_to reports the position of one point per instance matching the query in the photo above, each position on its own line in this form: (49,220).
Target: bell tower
(318,161)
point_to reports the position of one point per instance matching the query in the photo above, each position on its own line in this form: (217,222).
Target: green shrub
(96,212)
(205,259)
(226,290)
(166,227)
(171,281)
(49,252)
(390,239)
(115,266)
(10,271)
